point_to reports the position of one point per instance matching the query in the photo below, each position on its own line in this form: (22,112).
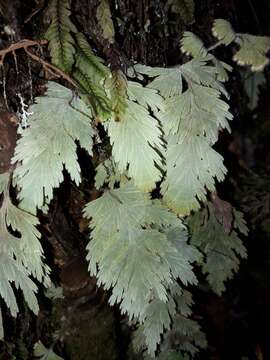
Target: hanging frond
(252,51)
(116,85)
(104,18)
(133,227)
(222,250)
(21,255)
(197,112)
(137,143)
(167,81)
(59,120)
(192,45)
(61,42)
(192,166)
(223,31)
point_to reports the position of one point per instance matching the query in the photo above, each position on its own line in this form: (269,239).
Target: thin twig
(23,44)
(51,68)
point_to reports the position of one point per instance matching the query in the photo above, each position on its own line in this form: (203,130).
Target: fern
(252,49)
(133,227)
(191,169)
(161,124)
(61,42)
(192,45)
(116,85)
(105,20)
(135,138)
(222,250)
(90,72)
(21,256)
(59,119)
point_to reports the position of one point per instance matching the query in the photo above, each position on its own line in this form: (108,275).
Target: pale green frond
(104,18)
(61,42)
(137,144)
(223,31)
(222,69)
(197,112)
(21,256)
(145,96)
(192,45)
(192,167)
(252,51)
(222,250)
(158,317)
(167,81)
(128,227)
(30,253)
(198,71)
(252,83)
(116,85)
(59,120)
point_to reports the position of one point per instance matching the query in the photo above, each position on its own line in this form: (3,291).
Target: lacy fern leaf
(105,20)
(59,120)
(222,250)
(90,72)
(167,81)
(191,168)
(131,228)
(61,42)
(197,112)
(223,30)
(252,51)
(137,144)
(193,45)
(21,256)
(116,84)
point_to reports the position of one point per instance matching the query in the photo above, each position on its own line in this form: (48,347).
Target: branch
(23,44)
(55,71)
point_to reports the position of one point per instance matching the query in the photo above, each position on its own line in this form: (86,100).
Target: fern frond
(222,250)
(116,85)
(133,227)
(223,30)
(193,45)
(88,62)
(137,144)
(252,51)
(167,81)
(21,256)
(197,112)
(104,18)
(192,166)
(61,42)
(94,95)
(59,119)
